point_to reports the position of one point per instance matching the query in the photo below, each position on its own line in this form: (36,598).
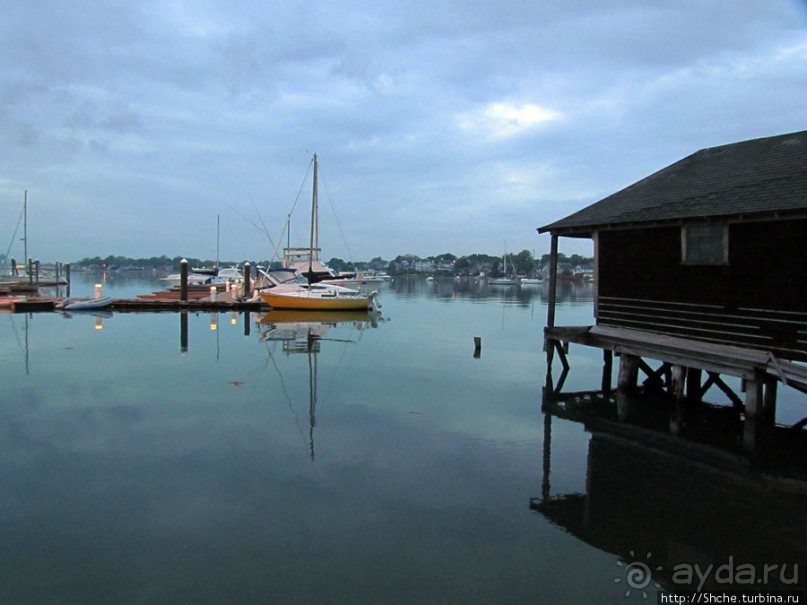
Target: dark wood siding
(759,299)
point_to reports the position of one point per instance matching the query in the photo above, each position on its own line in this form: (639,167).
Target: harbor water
(274,458)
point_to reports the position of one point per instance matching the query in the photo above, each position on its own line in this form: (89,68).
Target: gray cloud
(441,126)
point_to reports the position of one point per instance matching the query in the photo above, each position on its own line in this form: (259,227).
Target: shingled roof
(743,180)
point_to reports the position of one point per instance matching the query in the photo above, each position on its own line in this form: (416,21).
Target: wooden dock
(149,304)
(683,363)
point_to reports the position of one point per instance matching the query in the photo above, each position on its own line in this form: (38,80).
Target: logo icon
(637,575)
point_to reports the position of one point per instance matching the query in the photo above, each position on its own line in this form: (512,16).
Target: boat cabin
(711,248)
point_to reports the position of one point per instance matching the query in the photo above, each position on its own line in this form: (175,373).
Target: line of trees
(523,263)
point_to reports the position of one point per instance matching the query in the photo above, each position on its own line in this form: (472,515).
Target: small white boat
(529,281)
(84,304)
(194,279)
(355,280)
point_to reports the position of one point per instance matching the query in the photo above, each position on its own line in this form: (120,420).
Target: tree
(523,262)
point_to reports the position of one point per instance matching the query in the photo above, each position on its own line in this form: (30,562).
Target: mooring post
(247,280)
(67,277)
(183,280)
(477,347)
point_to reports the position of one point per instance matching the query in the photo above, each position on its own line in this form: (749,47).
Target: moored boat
(84,304)
(291,294)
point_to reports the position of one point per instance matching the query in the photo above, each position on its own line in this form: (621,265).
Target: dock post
(183,280)
(477,347)
(247,280)
(67,277)
(694,393)
(679,375)
(553,286)
(607,369)
(628,372)
(36,270)
(769,401)
(753,396)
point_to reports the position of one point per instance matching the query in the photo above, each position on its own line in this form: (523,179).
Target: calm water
(269,460)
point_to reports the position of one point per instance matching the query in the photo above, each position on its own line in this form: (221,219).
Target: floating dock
(158,301)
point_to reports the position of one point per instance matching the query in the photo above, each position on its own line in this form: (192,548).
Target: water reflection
(569,292)
(676,499)
(302,333)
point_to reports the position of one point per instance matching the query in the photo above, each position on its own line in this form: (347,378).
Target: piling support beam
(552,296)
(769,401)
(753,396)
(628,372)
(679,375)
(607,369)
(694,377)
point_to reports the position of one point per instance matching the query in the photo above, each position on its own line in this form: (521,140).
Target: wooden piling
(753,396)
(679,374)
(769,401)
(477,346)
(628,372)
(607,369)
(694,377)
(183,280)
(247,280)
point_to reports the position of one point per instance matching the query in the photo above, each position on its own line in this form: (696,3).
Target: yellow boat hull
(316,303)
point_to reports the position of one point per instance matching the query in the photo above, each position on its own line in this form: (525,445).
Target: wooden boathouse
(703,267)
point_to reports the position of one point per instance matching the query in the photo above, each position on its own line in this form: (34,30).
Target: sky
(440,126)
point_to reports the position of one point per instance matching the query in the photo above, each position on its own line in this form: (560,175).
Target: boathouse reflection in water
(672,493)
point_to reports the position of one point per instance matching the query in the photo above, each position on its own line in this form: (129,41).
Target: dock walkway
(684,359)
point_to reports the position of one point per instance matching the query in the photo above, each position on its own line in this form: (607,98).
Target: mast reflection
(302,333)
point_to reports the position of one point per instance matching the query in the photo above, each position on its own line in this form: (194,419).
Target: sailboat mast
(25,229)
(218,225)
(314,227)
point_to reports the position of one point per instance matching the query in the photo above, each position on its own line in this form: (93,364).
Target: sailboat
(307,297)
(503,281)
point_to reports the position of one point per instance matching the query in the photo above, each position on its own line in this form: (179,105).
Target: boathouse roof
(741,181)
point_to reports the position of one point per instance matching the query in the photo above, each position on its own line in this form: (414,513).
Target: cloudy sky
(441,125)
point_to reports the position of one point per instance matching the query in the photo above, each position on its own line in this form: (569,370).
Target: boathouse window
(705,244)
